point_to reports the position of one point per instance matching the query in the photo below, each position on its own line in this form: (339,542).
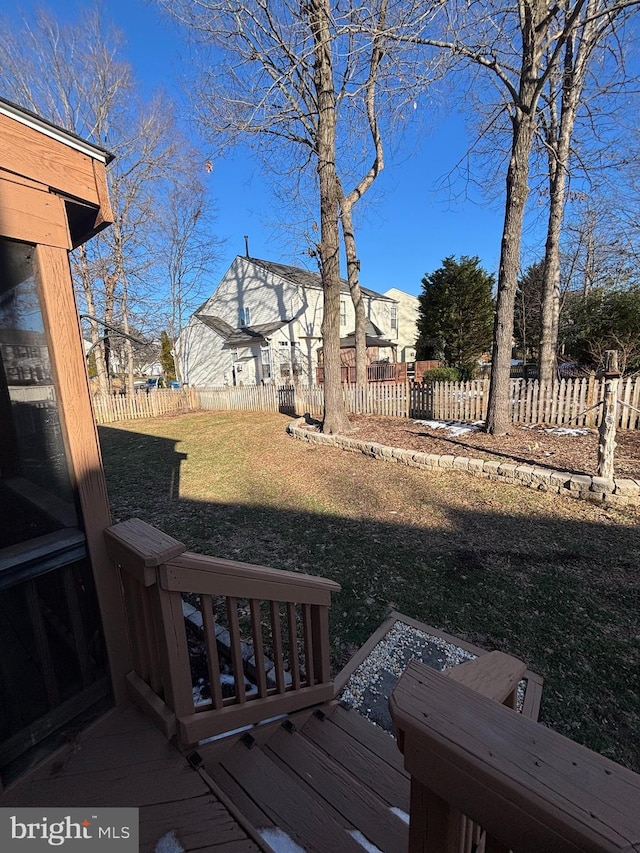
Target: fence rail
(570,402)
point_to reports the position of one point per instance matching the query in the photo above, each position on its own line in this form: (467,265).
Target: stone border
(621,492)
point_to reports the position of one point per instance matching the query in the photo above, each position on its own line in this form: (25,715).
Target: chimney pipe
(246,245)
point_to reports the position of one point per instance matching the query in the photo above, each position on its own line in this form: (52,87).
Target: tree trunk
(498,415)
(574,71)
(335,417)
(353,269)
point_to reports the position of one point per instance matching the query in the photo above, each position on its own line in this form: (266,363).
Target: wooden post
(591,399)
(607,442)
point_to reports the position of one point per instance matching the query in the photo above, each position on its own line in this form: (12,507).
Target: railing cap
(140,548)
(530,787)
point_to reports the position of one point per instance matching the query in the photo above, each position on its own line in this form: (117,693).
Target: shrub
(441,374)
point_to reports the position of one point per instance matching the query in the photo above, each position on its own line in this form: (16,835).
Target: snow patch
(364,842)
(566,431)
(402,815)
(453,427)
(169,844)
(280,841)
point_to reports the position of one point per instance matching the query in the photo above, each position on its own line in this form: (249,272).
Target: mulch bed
(532,445)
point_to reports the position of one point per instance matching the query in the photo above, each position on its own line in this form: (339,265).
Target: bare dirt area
(527,445)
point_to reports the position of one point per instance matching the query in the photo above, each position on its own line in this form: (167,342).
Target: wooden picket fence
(572,402)
(110,408)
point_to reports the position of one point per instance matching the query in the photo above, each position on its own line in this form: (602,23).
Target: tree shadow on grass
(563,595)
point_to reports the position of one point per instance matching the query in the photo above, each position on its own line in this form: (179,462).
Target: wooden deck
(123,760)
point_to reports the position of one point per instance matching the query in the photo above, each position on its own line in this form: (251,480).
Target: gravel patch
(370,686)
(367,691)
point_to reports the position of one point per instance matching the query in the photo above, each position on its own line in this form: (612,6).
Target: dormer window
(245,317)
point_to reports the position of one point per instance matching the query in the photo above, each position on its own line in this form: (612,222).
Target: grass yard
(551,580)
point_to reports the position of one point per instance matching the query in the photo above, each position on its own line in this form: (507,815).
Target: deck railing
(219,644)
(529,788)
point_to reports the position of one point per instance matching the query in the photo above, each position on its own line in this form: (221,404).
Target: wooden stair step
(357,752)
(288,804)
(370,735)
(356,802)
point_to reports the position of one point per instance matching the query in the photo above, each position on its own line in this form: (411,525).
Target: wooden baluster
(276,634)
(320,630)
(308,644)
(236,648)
(211,644)
(294,662)
(258,649)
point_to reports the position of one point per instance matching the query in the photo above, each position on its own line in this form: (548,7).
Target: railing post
(174,652)
(434,827)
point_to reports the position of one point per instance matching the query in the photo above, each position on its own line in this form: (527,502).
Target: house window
(394,318)
(343,312)
(234,354)
(245,317)
(265,358)
(283,358)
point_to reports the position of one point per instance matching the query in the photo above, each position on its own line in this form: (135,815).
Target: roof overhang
(47,128)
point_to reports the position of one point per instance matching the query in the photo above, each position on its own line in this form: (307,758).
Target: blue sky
(406,233)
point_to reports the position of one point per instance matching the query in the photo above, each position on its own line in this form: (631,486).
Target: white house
(406,323)
(262,324)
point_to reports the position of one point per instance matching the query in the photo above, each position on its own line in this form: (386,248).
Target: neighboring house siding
(285,306)
(407,331)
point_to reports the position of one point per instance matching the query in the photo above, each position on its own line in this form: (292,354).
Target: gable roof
(241,335)
(306,278)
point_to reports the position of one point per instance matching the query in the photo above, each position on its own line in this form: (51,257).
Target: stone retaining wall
(619,492)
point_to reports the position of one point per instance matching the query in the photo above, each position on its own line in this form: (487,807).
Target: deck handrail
(288,610)
(530,788)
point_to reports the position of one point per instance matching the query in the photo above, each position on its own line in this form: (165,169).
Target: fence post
(607,442)
(591,394)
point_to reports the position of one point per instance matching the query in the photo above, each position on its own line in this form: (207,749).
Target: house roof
(242,335)
(374,335)
(306,278)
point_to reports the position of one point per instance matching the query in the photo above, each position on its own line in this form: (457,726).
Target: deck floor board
(357,803)
(122,760)
(292,807)
(390,784)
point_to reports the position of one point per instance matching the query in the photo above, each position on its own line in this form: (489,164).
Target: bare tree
(519,44)
(595,29)
(72,75)
(186,253)
(263,67)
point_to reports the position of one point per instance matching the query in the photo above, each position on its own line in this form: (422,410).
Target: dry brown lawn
(552,580)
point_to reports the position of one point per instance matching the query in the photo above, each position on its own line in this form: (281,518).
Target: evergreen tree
(604,319)
(455,317)
(527,326)
(166,357)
